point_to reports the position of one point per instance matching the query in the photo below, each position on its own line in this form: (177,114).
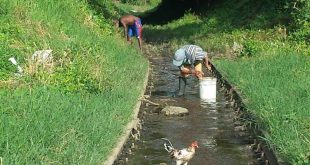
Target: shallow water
(210,123)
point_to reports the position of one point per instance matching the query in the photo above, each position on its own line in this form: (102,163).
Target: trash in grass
(42,56)
(19,69)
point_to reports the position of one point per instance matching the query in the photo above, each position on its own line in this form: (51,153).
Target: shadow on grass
(105,9)
(166,34)
(228,16)
(169,10)
(221,17)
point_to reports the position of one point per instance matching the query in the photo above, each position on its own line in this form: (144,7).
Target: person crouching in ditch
(189,60)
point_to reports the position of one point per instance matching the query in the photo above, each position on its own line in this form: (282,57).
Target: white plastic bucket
(207,88)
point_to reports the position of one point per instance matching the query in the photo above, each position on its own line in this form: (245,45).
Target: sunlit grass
(277,91)
(75,112)
(270,71)
(46,126)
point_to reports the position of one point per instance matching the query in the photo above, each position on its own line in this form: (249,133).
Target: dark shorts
(135,29)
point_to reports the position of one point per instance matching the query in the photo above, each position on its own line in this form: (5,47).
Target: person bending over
(189,59)
(132,27)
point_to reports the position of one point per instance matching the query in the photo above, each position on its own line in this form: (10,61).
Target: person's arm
(138,29)
(125,29)
(207,63)
(140,43)
(185,70)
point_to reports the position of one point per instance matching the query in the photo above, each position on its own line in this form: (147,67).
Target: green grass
(267,66)
(73,111)
(136,6)
(46,126)
(276,90)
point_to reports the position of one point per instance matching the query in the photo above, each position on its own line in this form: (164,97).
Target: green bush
(250,48)
(299,13)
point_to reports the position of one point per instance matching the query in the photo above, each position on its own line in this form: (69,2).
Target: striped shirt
(193,53)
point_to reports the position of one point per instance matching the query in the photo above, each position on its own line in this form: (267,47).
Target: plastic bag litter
(13,60)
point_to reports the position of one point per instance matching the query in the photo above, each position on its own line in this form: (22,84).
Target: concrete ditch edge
(259,147)
(264,153)
(128,128)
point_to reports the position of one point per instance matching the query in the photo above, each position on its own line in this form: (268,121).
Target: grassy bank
(276,90)
(257,52)
(72,109)
(46,126)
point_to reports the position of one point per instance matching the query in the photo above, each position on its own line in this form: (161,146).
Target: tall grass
(256,54)
(73,111)
(276,90)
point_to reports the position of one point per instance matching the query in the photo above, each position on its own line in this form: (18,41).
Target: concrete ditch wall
(264,154)
(115,152)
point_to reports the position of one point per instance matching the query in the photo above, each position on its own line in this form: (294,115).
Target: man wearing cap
(189,59)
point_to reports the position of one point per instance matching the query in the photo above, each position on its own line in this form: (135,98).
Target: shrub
(250,48)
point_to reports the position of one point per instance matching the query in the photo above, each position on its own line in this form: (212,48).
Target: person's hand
(208,66)
(197,73)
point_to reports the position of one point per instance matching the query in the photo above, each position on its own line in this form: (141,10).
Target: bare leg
(129,40)
(140,43)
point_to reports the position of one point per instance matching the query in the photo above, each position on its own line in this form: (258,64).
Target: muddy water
(210,123)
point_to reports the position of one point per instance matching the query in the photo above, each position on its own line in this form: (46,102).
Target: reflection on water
(208,101)
(210,122)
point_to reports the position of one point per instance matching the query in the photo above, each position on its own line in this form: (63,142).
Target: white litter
(12,59)
(42,56)
(20,70)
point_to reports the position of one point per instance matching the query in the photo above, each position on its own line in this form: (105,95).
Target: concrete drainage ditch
(225,129)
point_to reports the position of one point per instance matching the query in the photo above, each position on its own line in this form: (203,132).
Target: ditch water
(210,123)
